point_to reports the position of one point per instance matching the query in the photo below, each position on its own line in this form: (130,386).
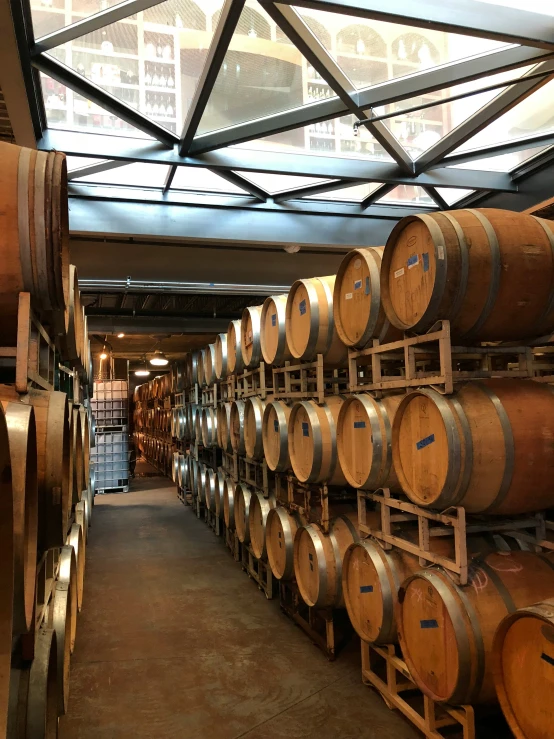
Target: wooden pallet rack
(228,389)
(259,571)
(304,380)
(431,360)
(213,521)
(312,500)
(179,399)
(330,630)
(230,464)
(233,544)
(258,381)
(543,363)
(210,396)
(529,528)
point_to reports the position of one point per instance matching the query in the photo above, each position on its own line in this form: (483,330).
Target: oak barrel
(76,540)
(201,481)
(85,434)
(275,435)
(209,494)
(229,496)
(73,343)
(523,660)
(209,426)
(273,336)
(364,441)
(209,365)
(243,495)
(6,570)
(220,482)
(250,336)
(446,632)
(221,356)
(313,441)
(281,528)
(62,617)
(257,520)
(310,327)
(79,483)
(235,363)
(489,272)
(236,420)
(357,309)
(201,368)
(487,447)
(254,409)
(224,426)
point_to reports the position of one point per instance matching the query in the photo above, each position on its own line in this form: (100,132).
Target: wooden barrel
(34,691)
(253,417)
(522,664)
(489,272)
(220,482)
(224,426)
(281,528)
(229,495)
(201,481)
(273,336)
(191,368)
(318,560)
(62,617)
(209,491)
(175,467)
(34,238)
(275,436)
(201,370)
(198,424)
(85,434)
(257,518)
(76,540)
(357,309)
(446,632)
(371,578)
(313,441)
(236,419)
(243,495)
(221,356)
(209,426)
(485,448)
(193,470)
(180,470)
(79,483)
(209,365)
(190,413)
(72,342)
(22,439)
(55,484)
(235,363)
(364,441)
(82,514)
(7,570)
(250,336)
(310,328)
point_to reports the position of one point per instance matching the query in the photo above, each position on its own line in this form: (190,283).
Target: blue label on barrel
(425,258)
(302,307)
(412,261)
(367,286)
(429,623)
(547,658)
(305,429)
(274,319)
(276,425)
(425,442)
(357,284)
(366,588)
(359,424)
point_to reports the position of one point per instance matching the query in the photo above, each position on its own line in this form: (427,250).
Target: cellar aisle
(175,641)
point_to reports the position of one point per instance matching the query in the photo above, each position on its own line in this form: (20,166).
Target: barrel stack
(46,430)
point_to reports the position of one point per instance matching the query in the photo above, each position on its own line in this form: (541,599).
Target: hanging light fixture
(103,355)
(143,370)
(159,359)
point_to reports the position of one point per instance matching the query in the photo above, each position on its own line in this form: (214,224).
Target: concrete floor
(175,641)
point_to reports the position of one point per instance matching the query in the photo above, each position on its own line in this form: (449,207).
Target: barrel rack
(305,380)
(259,571)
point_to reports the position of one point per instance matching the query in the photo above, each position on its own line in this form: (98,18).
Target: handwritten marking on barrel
(425,442)
(429,623)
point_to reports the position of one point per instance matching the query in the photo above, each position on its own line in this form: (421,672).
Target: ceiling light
(103,355)
(159,359)
(142,372)
(120,336)
(292,248)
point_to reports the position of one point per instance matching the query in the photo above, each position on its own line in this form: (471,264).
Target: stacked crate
(111,453)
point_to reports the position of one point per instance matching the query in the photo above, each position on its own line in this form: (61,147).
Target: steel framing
(432,169)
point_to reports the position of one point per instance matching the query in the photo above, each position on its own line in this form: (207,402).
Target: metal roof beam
(89,169)
(377,194)
(507,147)
(304,192)
(239,181)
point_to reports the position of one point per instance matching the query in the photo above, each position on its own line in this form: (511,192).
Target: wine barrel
(318,560)
(62,618)
(229,495)
(237,426)
(253,417)
(310,328)
(275,435)
(250,336)
(522,663)
(221,356)
(273,337)
(198,425)
(79,483)
(201,481)
(55,484)
(72,342)
(209,492)
(313,441)
(357,309)
(489,272)
(175,467)
(235,363)
(446,632)
(224,426)
(364,441)
(243,495)
(7,570)
(201,369)
(193,470)
(485,448)
(85,434)
(209,365)
(191,411)
(257,519)
(34,240)
(281,528)
(220,482)
(371,578)
(76,540)
(209,427)
(82,515)
(191,368)
(22,439)
(180,470)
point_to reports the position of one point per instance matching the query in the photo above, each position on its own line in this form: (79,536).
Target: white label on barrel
(399,272)
(440,251)
(348,296)
(357,263)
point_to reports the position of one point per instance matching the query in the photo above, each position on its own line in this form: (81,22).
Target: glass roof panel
(78,162)
(356,193)
(329,138)
(408,194)
(370,52)
(274,183)
(545,7)
(52,15)
(199,178)
(533,115)
(66,109)
(502,162)
(452,195)
(151,61)
(138,174)
(260,76)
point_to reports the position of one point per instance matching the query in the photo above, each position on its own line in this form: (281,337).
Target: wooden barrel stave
(273,338)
